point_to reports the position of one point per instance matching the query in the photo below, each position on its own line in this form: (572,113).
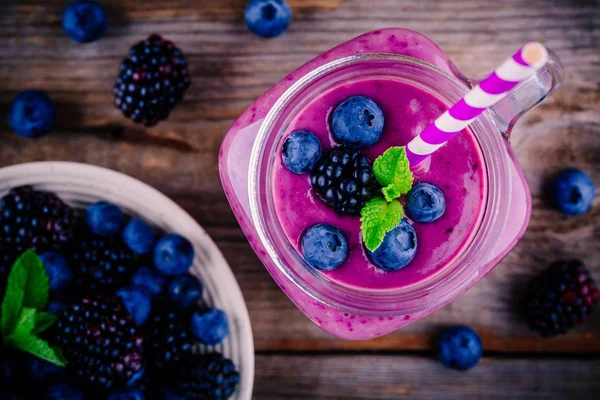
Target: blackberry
(35,219)
(560,297)
(343,178)
(7,258)
(101,263)
(101,343)
(169,336)
(206,377)
(152,79)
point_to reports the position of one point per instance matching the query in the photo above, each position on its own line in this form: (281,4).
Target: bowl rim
(32,171)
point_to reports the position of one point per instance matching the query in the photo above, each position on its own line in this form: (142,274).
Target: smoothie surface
(457,169)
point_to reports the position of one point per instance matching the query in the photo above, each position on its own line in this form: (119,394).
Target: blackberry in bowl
(107,351)
(152,80)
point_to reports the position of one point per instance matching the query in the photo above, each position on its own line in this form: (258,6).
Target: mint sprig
(392,170)
(377,218)
(23,318)
(383,213)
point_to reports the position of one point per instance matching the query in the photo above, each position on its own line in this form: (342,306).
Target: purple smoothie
(457,169)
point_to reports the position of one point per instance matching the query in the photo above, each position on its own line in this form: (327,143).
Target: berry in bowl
(110,289)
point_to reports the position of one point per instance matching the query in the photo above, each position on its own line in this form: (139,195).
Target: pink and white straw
(522,65)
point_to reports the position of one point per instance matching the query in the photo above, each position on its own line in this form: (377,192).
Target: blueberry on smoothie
(32,114)
(84,21)
(459,348)
(104,218)
(58,271)
(268,18)
(324,247)
(571,192)
(357,122)
(398,249)
(301,151)
(425,203)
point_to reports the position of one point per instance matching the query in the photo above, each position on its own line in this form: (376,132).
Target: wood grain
(398,377)
(231,68)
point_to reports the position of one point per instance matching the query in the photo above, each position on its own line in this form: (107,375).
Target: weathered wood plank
(396,377)
(231,68)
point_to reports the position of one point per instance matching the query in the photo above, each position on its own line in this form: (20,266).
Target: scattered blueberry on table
(571,192)
(324,247)
(459,348)
(268,18)
(85,21)
(398,249)
(301,151)
(32,114)
(425,203)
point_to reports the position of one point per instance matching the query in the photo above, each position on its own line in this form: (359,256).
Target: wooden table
(230,68)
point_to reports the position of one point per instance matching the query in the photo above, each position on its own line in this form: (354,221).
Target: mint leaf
(26,322)
(38,347)
(27,286)
(43,321)
(392,170)
(377,218)
(38,285)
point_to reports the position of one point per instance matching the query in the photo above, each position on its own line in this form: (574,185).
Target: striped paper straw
(522,65)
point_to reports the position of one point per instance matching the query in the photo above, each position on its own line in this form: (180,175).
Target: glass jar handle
(528,94)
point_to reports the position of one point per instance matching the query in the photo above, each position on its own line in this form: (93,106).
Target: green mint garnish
(27,291)
(377,218)
(392,170)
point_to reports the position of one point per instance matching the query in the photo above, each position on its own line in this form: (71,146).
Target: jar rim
(435,290)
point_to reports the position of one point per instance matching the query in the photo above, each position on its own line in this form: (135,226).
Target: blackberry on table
(206,377)
(101,263)
(169,336)
(152,80)
(343,178)
(101,343)
(560,297)
(35,219)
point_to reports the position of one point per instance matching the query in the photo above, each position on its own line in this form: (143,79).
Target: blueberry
(425,203)
(63,391)
(40,370)
(150,278)
(32,114)
(301,151)
(85,21)
(357,122)
(57,268)
(137,302)
(126,394)
(324,247)
(210,326)
(139,236)
(185,291)
(104,218)
(59,303)
(571,192)
(268,18)
(169,393)
(173,254)
(459,348)
(398,249)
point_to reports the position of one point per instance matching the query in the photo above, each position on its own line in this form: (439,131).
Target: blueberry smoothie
(432,236)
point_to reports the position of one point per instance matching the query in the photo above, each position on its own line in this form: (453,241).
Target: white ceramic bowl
(81,184)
